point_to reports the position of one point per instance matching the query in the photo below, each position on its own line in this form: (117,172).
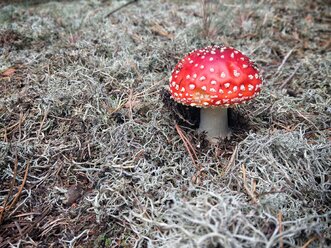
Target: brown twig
(120,7)
(290,77)
(187,144)
(12,128)
(280,217)
(306,245)
(229,165)
(249,191)
(42,122)
(28,228)
(190,149)
(4,207)
(17,196)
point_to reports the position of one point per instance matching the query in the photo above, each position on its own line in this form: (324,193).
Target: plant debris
(94,153)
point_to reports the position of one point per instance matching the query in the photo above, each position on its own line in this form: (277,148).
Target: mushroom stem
(215,122)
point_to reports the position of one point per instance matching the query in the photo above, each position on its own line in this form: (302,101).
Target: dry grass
(85,112)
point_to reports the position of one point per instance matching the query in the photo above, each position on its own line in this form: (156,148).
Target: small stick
(233,156)
(249,192)
(21,187)
(4,207)
(304,117)
(42,122)
(280,217)
(290,77)
(120,7)
(187,144)
(309,241)
(284,60)
(197,176)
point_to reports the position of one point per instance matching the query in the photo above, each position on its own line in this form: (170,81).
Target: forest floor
(94,153)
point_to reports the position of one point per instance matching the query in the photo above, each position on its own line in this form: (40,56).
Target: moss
(88,106)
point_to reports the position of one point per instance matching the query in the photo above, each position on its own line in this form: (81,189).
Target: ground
(94,153)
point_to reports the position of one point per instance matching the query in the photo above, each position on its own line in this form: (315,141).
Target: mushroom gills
(214,121)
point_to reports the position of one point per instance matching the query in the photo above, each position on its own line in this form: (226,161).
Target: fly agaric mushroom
(215,78)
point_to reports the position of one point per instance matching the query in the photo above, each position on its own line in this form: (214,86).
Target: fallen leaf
(8,72)
(159,30)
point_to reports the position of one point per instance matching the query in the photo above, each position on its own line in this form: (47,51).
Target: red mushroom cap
(215,76)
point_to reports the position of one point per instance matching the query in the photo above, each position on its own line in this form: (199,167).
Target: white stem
(215,122)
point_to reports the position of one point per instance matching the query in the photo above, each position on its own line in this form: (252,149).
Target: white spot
(223,75)
(232,55)
(177,87)
(212,90)
(245,66)
(205,103)
(177,71)
(214,96)
(211,69)
(242,58)
(173,84)
(191,86)
(236,52)
(211,59)
(196,65)
(227,85)
(235,88)
(202,78)
(250,87)
(204,87)
(256,75)
(236,73)
(188,76)
(170,79)
(225,100)
(213,82)
(202,57)
(242,87)
(250,77)
(193,104)
(202,67)
(239,94)
(213,52)
(218,102)
(221,91)
(222,56)
(195,75)
(182,89)
(180,94)
(191,62)
(175,94)
(229,92)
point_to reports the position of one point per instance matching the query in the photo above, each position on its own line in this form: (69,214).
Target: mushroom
(213,79)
